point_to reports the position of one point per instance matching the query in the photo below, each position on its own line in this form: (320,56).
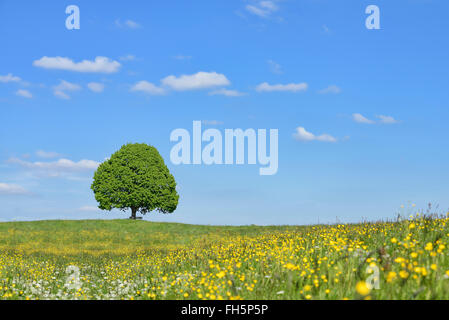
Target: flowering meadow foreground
(122,259)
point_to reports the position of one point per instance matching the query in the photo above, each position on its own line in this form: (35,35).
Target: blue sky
(382,95)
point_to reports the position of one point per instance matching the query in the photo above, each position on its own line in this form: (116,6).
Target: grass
(98,237)
(124,259)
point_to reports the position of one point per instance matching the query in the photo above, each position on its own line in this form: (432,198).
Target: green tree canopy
(136,178)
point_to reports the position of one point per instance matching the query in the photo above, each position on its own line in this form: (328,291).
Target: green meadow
(129,259)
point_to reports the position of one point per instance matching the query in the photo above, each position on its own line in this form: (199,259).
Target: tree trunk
(133,213)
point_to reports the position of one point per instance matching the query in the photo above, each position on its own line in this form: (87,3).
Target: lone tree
(136,178)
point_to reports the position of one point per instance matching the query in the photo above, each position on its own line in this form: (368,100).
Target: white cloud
(199,80)
(262,9)
(147,87)
(24,93)
(292,87)
(387,119)
(58,168)
(331,89)
(99,65)
(357,117)
(96,86)
(9,78)
(302,134)
(60,89)
(226,92)
(47,155)
(12,189)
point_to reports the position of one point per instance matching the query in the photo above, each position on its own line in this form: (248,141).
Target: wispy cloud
(301,134)
(129,57)
(292,87)
(61,89)
(147,87)
(12,189)
(10,78)
(59,168)
(263,9)
(96,87)
(89,209)
(130,24)
(274,67)
(24,93)
(387,119)
(99,65)
(359,118)
(227,93)
(61,164)
(47,154)
(330,89)
(182,57)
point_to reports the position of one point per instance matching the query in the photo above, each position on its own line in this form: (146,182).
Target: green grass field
(125,259)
